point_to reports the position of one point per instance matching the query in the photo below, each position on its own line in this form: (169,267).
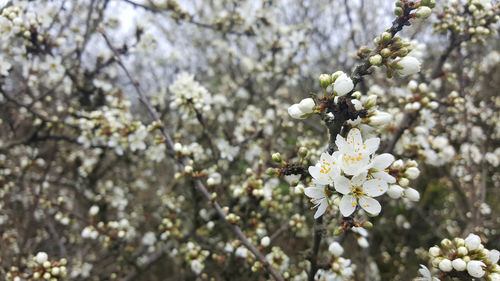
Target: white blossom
(475,268)
(343,85)
(336,249)
(408,65)
(459,264)
(472,242)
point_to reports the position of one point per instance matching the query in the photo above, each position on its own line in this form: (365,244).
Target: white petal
(372,145)
(347,205)
(424,271)
(385,177)
(360,179)
(370,205)
(375,187)
(315,192)
(341,143)
(306,105)
(354,138)
(494,256)
(315,172)
(323,204)
(342,185)
(295,112)
(382,161)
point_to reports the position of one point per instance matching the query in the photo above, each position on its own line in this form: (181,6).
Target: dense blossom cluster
(465,255)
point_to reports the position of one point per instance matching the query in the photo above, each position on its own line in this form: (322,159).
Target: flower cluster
(355,172)
(339,268)
(466,255)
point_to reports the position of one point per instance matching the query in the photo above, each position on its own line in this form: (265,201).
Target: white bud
(41,257)
(196,267)
(336,75)
(412,194)
(472,242)
(403,182)
(177,147)
(295,112)
(475,268)
(398,164)
(433,105)
(408,66)
(423,12)
(94,210)
(362,242)
(459,264)
(445,265)
(306,105)
(395,191)
(446,243)
(462,251)
(325,80)
(357,104)
(412,172)
(376,59)
(380,118)
(210,181)
(434,251)
(188,169)
(413,85)
(371,101)
(494,255)
(265,241)
(336,249)
(343,85)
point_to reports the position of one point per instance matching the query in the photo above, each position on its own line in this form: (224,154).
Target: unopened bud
(385,52)
(423,12)
(376,60)
(367,225)
(303,151)
(276,157)
(386,37)
(398,11)
(325,80)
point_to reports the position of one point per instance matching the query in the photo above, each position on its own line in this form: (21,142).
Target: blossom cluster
(356,174)
(465,255)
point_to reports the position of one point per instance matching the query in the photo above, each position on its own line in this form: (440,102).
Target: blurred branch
(183,161)
(318,233)
(188,20)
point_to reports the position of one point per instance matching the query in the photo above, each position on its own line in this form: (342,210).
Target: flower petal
(384,176)
(375,187)
(360,178)
(342,185)
(372,145)
(319,177)
(370,205)
(323,204)
(340,142)
(315,192)
(354,139)
(347,205)
(382,161)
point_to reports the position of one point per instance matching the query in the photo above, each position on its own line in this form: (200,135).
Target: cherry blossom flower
(354,154)
(426,274)
(325,171)
(318,196)
(359,190)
